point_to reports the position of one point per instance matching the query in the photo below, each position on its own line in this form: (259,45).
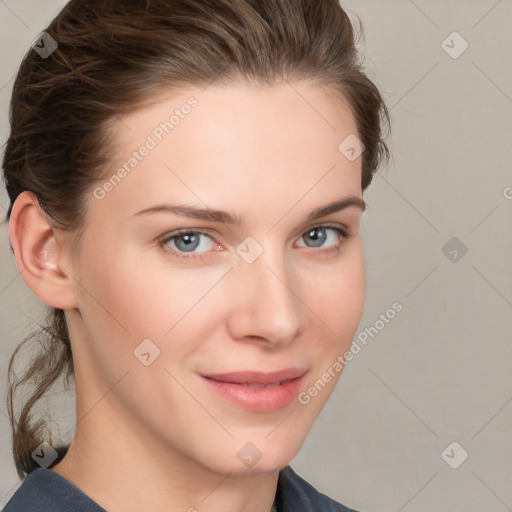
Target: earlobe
(38,255)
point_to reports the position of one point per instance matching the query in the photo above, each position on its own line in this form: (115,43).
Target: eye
(183,243)
(319,234)
(186,241)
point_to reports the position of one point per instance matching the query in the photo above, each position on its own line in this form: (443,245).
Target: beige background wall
(439,371)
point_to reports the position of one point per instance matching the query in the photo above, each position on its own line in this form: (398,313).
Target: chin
(245,458)
(269,459)
(260,468)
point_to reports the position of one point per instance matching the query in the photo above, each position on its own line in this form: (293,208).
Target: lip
(235,387)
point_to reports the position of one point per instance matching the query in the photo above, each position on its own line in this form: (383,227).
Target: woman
(186,182)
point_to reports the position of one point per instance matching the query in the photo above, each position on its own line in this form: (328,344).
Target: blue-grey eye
(189,241)
(317,235)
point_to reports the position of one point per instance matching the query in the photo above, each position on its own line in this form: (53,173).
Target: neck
(123,468)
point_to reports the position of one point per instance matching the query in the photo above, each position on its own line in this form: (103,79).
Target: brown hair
(113,57)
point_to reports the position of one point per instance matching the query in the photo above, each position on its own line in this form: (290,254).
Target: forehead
(247,145)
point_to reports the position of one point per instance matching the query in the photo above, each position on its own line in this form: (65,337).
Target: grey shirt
(45,490)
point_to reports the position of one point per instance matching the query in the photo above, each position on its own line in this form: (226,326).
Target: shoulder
(44,490)
(295,494)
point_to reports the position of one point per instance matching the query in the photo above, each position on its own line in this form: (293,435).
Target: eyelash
(343,235)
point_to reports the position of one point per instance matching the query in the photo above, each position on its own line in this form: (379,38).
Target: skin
(157,434)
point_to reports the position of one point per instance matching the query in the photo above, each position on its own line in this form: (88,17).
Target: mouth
(258,378)
(251,385)
(258,391)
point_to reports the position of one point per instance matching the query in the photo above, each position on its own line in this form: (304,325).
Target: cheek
(133,299)
(337,313)
(348,304)
(119,303)
(338,299)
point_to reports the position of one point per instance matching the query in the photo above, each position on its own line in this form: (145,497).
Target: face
(167,296)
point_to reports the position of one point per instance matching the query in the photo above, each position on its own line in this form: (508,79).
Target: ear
(39,253)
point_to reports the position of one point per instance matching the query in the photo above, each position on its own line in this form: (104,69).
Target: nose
(264,306)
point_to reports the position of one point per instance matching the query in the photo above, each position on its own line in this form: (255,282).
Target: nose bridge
(267,304)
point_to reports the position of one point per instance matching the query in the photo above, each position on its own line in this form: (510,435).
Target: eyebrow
(227,218)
